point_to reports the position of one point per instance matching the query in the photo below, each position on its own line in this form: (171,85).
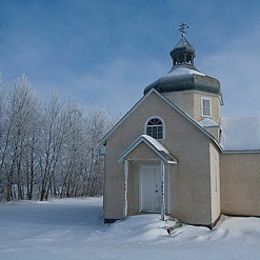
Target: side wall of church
(240,184)
(215,181)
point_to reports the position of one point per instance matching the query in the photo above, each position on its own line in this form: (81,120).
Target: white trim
(212,126)
(140,206)
(125,188)
(241,151)
(210,106)
(151,117)
(162,190)
(168,183)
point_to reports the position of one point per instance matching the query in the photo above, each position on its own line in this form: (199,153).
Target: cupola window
(155,128)
(206,106)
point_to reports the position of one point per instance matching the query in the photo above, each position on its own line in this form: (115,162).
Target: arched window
(154,128)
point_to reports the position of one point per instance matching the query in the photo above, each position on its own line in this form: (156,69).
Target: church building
(173,154)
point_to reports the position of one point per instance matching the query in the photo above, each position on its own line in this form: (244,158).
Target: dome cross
(182,28)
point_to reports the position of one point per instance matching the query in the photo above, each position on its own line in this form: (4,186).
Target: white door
(150,188)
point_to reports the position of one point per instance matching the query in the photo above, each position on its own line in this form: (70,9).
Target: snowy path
(74,229)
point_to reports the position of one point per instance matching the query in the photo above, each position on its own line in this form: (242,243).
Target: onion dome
(183,74)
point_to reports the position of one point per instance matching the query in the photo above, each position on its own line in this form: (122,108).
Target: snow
(207,122)
(182,71)
(159,147)
(240,133)
(156,144)
(74,229)
(182,43)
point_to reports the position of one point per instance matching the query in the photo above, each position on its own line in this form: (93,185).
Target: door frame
(166,184)
(141,182)
(141,173)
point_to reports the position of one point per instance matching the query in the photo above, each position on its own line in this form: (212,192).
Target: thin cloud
(116,85)
(236,65)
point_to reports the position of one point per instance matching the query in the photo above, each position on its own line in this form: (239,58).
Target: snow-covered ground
(74,229)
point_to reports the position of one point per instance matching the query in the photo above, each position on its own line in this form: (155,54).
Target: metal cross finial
(182,28)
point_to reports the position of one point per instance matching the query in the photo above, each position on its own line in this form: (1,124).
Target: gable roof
(240,134)
(172,105)
(153,144)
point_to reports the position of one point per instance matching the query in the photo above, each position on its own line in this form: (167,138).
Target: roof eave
(256,151)
(135,144)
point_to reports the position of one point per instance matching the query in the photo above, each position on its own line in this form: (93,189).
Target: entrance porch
(147,177)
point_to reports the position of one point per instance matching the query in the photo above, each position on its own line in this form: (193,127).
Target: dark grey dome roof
(184,75)
(181,78)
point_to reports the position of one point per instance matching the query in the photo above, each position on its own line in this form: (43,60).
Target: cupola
(183,53)
(184,75)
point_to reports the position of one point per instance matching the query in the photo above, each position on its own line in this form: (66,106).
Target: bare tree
(3,145)
(14,133)
(97,125)
(48,149)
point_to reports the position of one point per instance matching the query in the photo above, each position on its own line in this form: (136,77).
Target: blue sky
(105,52)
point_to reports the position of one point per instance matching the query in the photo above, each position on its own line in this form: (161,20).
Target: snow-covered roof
(155,145)
(207,122)
(240,134)
(178,71)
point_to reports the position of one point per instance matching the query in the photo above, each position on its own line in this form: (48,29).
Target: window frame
(210,107)
(163,126)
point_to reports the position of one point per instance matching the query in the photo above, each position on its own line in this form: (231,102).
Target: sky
(106,52)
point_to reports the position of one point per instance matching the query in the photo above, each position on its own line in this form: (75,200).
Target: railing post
(125,187)
(162,191)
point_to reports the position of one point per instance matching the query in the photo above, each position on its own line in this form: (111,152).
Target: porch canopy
(155,149)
